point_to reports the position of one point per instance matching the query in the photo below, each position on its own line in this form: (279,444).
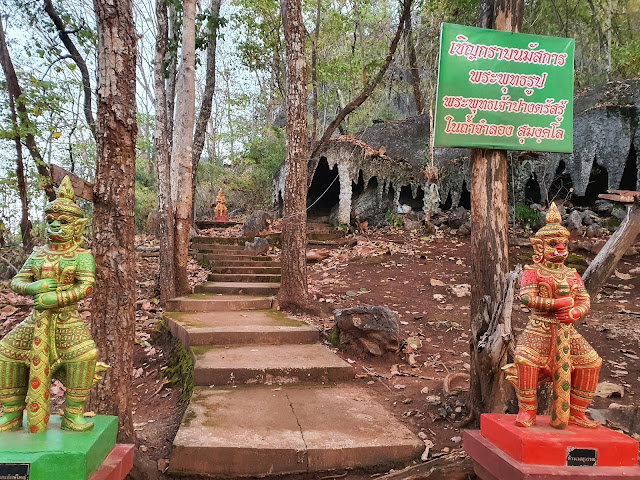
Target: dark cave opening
(324,191)
(532,191)
(465,197)
(447,203)
(406,198)
(629,179)
(598,183)
(561,184)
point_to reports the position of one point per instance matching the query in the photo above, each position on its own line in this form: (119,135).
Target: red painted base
(117,464)
(542,444)
(491,463)
(221,219)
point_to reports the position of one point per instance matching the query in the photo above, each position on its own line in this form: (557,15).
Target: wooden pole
(489,251)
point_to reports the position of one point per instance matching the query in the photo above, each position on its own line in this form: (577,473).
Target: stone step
(212,257)
(245,277)
(262,431)
(210,302)
(245,270)
(232,262)
(239,288)
(268,364)
(238,328)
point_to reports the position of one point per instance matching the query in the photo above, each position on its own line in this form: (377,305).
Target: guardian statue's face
(555,249)
(64,227)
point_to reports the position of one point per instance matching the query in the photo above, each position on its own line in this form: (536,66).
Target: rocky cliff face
(606,155)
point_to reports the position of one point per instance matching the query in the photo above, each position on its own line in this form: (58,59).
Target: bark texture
(163,159)
(113,303)
(15,91)
(489,247)
(492,289)
(182,147)
(605,262)
(293,288)
(209,90)
(25,222)
(413,65)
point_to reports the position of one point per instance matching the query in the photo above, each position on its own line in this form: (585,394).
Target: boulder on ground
(594,231)
(257,222)
(258,246)
(574,223)
(367,207)
(457,217)
(369,328)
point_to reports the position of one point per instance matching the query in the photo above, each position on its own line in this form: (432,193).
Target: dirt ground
(426,280)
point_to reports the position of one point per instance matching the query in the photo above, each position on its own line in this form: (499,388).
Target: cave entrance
(598,183)
(406,198)
(561,184)
(532,191)
(629,180)
(465,197)
(324,191)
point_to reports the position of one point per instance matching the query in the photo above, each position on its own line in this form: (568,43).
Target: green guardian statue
(53,340)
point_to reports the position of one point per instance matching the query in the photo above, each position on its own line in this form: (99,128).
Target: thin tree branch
(360,99)
(77,58)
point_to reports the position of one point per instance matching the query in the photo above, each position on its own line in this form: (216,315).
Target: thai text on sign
(504,90)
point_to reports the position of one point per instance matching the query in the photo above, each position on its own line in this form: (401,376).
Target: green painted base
(58,453)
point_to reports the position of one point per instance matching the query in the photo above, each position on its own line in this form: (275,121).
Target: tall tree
(293,289)
(182,146)
(113,304)
(163,159)
(209,87)
(25,124)
(25,222)
(491,289)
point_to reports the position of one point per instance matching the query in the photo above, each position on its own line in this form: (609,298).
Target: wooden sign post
(499,91)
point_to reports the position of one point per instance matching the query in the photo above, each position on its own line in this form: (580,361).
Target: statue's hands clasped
(563,308)
(42,286)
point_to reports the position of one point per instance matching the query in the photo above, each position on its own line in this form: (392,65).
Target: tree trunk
(413,65)
(163,159)
(113,303)
(25,222)
(182,147)
(605,262)
(368,90)
(491,296)
(293,289)
(207,97)
(13,87)
(314,76)
(77,58)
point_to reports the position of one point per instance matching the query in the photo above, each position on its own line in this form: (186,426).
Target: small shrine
(221,208)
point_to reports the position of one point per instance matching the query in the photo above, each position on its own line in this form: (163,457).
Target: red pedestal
(221,219)
(503,451)
(117,464)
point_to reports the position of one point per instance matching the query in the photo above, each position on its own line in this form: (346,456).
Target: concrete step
(245,277)
(261,431)
(268,364)
(238,328)
(245,270)
(239,288)
(232,262)
(212,257)
(210,302)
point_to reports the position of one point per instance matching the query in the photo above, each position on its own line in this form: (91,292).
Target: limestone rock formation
(368,328)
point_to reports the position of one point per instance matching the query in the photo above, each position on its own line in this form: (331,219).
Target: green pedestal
(58,454)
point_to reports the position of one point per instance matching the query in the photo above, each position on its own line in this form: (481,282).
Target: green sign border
(504,90)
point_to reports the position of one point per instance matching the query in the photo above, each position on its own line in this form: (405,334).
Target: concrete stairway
(267,396)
